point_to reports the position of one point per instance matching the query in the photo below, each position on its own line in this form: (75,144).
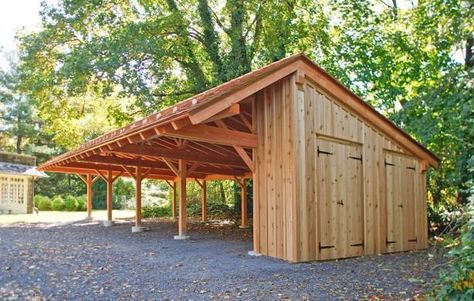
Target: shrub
(42,202)
(457,282)
(81,203)
(57,204)
(156,211)
(70,203)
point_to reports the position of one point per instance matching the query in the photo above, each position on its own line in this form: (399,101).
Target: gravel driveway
(84,260)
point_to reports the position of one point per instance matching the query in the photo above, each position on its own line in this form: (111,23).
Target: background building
(17,175)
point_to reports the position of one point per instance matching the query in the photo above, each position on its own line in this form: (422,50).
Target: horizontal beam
(82,170)
(184,154)
(156,165)
(214,135)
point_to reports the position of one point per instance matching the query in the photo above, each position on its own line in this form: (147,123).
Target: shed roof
(168,125)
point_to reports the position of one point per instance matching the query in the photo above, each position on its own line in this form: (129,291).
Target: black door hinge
(323,152)
(412,168)
(356,158)
(413,240)
(390,242)
(388,163)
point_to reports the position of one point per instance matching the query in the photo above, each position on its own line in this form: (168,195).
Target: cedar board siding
(293,120)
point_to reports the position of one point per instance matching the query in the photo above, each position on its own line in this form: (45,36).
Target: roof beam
(215,135)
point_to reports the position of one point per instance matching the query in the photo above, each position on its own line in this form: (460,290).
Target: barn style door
(340,202)
(400,202)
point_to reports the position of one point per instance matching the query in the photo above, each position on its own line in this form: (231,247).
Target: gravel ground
(86,261)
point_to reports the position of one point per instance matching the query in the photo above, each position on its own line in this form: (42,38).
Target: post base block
(138,229)
(181,237)
(253,253)
(108,223)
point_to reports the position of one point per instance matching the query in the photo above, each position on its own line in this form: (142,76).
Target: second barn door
(340,199)
(400,202)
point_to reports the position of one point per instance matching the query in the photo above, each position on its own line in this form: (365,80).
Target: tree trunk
(239,60)
(222,191)
(189,61)
(469,59)
(211,40)
(19,139)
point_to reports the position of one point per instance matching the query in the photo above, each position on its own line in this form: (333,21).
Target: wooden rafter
(180,123)
(215,135)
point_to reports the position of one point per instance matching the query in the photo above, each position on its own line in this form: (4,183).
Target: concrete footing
(253,253)
(138,229)
(181,237)
(108,223)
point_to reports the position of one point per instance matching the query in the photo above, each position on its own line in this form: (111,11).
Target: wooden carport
(189,141)
(332,177)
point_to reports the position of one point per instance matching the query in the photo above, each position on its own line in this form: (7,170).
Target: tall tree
(18,119)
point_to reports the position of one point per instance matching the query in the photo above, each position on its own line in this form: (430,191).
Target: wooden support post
(89,181)
(138,199)
(174,205)
(109,182)
(182,223)
(89,195)
(243,203)
(172,186)
(203,201)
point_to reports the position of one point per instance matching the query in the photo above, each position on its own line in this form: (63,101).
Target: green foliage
(156,211)
(42,202)
(121,190)
(81,203)
(457,282)
(70,203)
(18,120)
(57,204)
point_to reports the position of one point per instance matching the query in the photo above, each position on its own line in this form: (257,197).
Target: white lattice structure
(17,174)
